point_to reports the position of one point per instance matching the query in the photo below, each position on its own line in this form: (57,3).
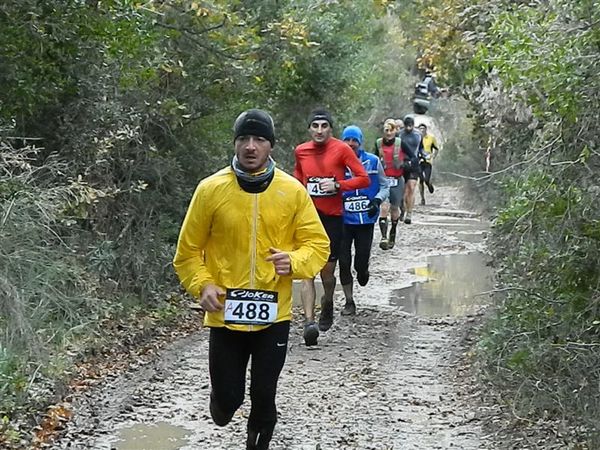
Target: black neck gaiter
(253,183)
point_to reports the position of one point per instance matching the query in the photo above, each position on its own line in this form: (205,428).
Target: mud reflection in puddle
(451,286)
(155,436)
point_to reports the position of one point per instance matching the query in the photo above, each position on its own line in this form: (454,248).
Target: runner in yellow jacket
(249,230)
(228,234)
(430,152)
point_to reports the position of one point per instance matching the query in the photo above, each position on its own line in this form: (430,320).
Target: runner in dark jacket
(412,146)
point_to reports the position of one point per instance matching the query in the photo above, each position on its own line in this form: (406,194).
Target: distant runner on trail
(424,91)
(430,151)
(428,85)
(399,126)
(388,149)
(250,228)
(321,165)
(361,208)
(412,146)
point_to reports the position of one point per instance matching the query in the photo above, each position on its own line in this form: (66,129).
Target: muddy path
(390,377)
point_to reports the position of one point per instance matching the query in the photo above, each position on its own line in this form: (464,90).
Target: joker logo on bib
(250,306)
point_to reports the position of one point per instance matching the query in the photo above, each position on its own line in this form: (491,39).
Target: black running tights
(362,236)
(228,354)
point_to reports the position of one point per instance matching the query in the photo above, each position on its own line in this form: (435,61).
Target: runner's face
(389,132)
(252,152)
(423,130)
(320,131)
(353,143)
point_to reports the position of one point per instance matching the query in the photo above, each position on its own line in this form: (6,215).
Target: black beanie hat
(320,114)
(255,122)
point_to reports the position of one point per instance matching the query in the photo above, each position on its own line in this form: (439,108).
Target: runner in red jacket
(321,165)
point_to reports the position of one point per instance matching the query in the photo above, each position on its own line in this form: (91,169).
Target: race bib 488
(250,306)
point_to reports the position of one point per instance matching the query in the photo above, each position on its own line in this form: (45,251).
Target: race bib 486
(356,203)
(250,306)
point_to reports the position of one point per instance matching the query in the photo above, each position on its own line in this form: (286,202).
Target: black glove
(373,207)
(407,164)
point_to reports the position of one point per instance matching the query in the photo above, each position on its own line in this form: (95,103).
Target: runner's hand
(373,207)
(209,299)
(281,261)
(327,186)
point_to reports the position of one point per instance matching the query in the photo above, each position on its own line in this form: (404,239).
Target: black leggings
(334,227)
(425,172)
(362,236)
(228,355)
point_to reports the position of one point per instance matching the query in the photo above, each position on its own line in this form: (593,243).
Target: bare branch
(21,138)
(516,288)
(190,31)
(575,344)
(583,27)
(533,159)
(191,35)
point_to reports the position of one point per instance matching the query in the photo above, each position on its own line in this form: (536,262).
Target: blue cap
(352,132)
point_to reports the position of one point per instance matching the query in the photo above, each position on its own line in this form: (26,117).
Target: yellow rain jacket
(227,233)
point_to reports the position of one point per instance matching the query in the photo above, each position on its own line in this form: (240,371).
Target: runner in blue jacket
(361,209)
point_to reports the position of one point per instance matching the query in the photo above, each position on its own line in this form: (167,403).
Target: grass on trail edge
(111,349)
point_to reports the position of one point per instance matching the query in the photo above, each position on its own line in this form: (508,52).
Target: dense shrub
(530,73)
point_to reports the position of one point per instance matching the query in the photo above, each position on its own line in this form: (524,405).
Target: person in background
(388,148)
(430,151)
(321,165)
(412,147)
(249,229)
(428,85)
(361,208)
(399,126)
(424,92)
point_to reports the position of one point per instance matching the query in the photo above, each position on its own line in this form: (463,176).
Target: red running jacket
(315,162)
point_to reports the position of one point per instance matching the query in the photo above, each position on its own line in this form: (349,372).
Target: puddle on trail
(156,436)
(451,288)
(472,237)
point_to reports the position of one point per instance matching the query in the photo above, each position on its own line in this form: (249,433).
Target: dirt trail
(384,379)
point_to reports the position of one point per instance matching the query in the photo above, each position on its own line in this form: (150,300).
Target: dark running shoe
(311,333)
(383,245)
(326,317)
(430,187)
(258,440)
(362,278)
(391,241)
(349,308)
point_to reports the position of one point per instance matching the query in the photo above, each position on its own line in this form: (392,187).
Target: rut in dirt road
(386,378)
